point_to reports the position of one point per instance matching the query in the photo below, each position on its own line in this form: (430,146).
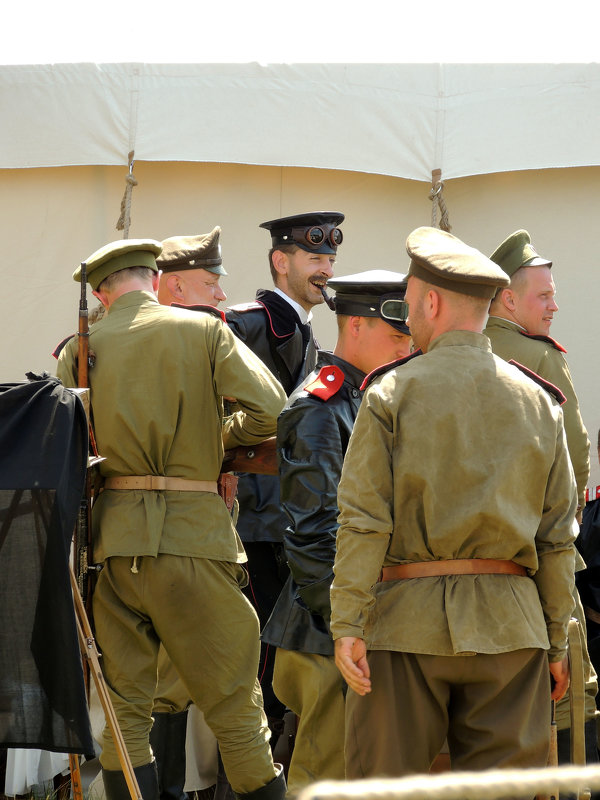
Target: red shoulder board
(549,387)
(60,346)
(242,307)
(387,367)
(216,312)
(327,383)
(540,337)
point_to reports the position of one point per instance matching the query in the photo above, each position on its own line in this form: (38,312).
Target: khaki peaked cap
(439,258)
(192,252)
(119,255)
(517,251)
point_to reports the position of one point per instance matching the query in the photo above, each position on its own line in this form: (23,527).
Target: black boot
(274,790)
(223,790)
(167,738)
(115,785)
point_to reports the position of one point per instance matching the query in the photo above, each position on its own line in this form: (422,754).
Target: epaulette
(541,338)
(243,307)
(327,383)
(216,312)
(387,367)
(549,387)
(61,345)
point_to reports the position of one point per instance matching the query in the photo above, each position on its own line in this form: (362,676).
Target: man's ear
(507,297)
(432,304)
(355,325)
(280,262)
(174,286)
(101,296)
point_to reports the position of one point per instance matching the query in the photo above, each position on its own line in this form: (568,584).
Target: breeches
(312,687)
(494,710)
(171,695)
(195,607)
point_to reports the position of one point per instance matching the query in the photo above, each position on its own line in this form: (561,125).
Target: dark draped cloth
(43,463)
(588,580)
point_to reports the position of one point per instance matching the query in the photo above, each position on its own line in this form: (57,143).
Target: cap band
(460,287)
(138,258)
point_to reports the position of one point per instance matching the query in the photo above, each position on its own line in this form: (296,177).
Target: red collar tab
(540,337)
(327,383)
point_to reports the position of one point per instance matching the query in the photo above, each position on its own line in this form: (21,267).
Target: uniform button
(354,392)
(330,377)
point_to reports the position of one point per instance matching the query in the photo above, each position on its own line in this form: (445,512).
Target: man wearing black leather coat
(312,437)
(276,327)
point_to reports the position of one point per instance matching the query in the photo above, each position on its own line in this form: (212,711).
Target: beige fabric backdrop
(52,218)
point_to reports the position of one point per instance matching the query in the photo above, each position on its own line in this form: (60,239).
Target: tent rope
(124,220)
(437,200)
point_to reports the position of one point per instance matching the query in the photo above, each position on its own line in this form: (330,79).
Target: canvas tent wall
(237,144)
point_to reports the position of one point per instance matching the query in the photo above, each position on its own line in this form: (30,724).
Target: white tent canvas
(237,144)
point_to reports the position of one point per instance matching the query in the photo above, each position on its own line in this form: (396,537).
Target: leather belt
(592,614)
(158,483)
(454,566)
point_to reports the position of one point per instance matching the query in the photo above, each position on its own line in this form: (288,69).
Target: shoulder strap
(213,310)
(549,387)
(387,367)
(541,338)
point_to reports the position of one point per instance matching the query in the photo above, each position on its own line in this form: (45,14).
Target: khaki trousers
(195,607)
(311,686)
(494,710)
(171,695)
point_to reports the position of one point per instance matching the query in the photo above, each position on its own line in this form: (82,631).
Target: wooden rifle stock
(260,459)
(84,333)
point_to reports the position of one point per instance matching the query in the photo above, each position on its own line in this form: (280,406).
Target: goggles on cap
(317,235)
(391,307)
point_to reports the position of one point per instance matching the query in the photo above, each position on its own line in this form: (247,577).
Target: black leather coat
(312,438)
(272,329)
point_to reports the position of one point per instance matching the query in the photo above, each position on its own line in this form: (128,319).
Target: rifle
(83,530)
(259,458)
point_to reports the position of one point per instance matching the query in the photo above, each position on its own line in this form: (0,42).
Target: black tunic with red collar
(273,330)
(312,437)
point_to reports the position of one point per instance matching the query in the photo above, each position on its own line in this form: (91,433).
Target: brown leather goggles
(317,235)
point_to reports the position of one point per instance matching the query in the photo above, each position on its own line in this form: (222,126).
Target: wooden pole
(89,652)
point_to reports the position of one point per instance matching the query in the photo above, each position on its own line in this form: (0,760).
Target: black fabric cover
(588,580)
(43,462)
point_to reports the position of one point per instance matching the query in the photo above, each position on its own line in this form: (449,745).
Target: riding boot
(115,785)
(167,738)
(223,790)
(274,790)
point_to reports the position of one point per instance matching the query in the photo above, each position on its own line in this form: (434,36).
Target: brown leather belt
(159,483)
(454,566)
(592,614)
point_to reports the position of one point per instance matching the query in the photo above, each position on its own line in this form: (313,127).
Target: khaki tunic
(456,454)
(157,388)
(544,358)
(154,416)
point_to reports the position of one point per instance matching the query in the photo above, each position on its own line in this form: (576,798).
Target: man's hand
(351,660)
(560,672)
